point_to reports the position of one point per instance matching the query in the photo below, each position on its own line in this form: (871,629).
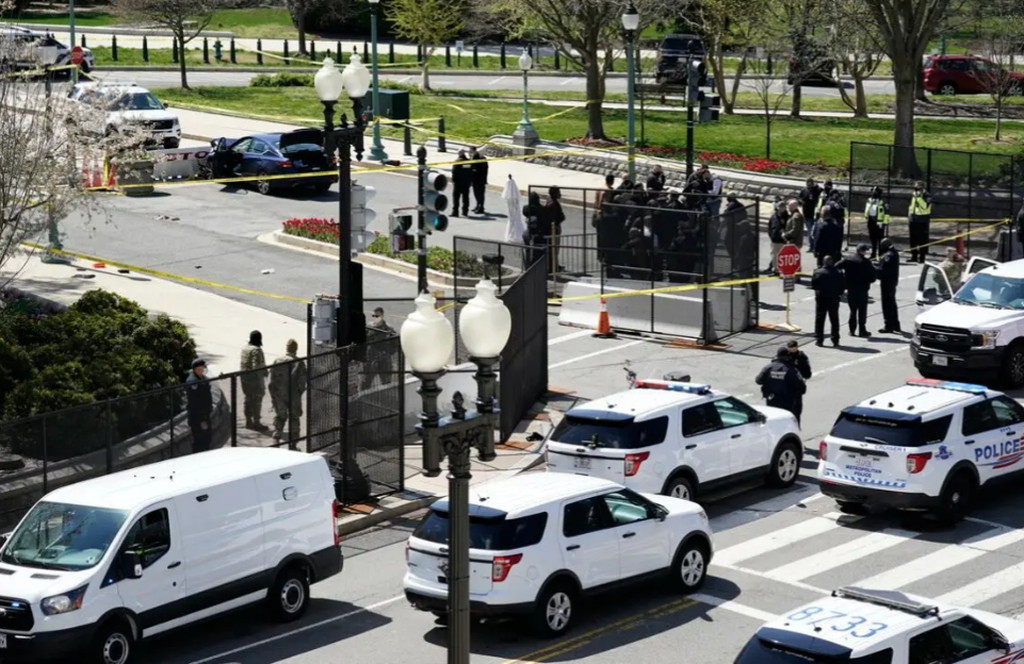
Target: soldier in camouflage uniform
(287,384)
(254,380)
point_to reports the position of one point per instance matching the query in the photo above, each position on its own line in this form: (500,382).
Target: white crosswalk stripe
(843,554)
(775,541)
(992,585)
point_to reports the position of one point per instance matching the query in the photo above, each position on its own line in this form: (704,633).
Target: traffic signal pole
(689,116)
(421,222)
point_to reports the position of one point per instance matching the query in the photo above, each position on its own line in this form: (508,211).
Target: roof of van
(637,402)
(138,487)
(527,492)
(921,399)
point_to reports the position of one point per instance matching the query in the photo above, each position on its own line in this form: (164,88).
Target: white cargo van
(96,566)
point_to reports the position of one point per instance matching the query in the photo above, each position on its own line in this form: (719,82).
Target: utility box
(394,104)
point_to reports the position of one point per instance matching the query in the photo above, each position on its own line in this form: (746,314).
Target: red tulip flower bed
(314,228)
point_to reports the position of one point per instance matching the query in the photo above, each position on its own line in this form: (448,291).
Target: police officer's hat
(198,362)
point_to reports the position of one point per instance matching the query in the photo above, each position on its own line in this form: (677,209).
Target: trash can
(135,177)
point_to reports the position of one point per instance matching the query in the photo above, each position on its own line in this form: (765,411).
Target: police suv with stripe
(864,626)
(928,445)
(676,438)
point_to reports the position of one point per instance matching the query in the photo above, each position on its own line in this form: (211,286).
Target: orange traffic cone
(604,327)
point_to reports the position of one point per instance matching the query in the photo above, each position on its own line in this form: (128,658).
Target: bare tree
(185,19)
(998,75)
(853,45)
(588,33)
(426,23)
(802,19)
(771,92)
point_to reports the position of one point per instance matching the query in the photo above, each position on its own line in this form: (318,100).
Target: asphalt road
(488,81)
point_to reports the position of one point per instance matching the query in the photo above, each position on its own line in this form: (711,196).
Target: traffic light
(400,225)
(435,202)
(362,214)
(697,77)
(709,105)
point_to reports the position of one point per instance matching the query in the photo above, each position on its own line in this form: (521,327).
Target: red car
(968,75)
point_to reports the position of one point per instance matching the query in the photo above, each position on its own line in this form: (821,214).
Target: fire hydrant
(218,50)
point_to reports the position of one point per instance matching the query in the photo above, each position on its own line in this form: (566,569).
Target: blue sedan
(299,152)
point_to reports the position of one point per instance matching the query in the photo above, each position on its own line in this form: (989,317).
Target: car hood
(33,584)
(951,314)
(675,505)
(155,114)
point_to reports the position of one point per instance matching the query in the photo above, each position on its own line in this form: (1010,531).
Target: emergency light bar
(691,388)
(948,385)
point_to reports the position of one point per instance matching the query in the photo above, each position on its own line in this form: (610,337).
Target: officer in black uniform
(200,406)
(828,285)
(802,363)
(781,385)
(860,274)
(888,271)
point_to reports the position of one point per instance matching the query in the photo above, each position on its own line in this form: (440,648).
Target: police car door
(992,436)
(976,265)
(932,288)
(964,640)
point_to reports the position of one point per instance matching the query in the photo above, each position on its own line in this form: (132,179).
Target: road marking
(945,558)
(735,607)
(861,360)
(406,78)
(744,515)
(991,586)
(575,642)
(300,630)
(497,80)
(843,554)
(765,575)
(774,541)
(570,337)
(596,353)
(567,81)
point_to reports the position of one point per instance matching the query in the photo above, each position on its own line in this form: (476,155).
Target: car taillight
(822,450)
(633,461)
(334,522)
(916,462)
(286,164)
(503,565)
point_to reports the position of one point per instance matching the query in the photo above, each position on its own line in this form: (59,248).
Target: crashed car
(299,153)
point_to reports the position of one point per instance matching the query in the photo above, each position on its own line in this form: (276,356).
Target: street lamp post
(377,152)
(630,21)
(525,135)
(427,341)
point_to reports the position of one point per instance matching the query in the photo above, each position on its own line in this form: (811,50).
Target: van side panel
(296,509)
(223,537)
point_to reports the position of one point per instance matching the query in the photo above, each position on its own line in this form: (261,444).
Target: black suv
(811,63)
(672,57)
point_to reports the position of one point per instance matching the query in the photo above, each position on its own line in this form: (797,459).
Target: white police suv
(676,438)
(863,626)
(928,445)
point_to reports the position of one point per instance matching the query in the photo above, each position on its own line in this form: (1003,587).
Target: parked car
(26,49)
(968,75)
(97,566)
(541,542)
(811,64)
(126,108)
(673,54)
(299,152)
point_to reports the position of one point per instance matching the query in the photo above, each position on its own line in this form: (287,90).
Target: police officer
(802,364)
(287,383)
(254,366)
(919,217)
(828,285)
(827,237)
(462,182)
(860,274)
(199,406)
(888,271)
(877,214)
(781,385)
(478,172)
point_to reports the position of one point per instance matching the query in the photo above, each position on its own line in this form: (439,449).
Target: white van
(96,566)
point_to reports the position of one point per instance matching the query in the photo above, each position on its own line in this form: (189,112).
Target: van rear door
(600,443)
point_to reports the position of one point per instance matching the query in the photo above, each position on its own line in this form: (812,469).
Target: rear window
(488,534)
(301,147)
(623,434)
(882,431)
(759,651)
(681,44)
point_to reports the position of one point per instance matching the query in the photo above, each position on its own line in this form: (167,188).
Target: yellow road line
(623,624)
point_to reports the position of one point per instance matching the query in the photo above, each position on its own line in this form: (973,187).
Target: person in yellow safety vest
(919,217)
(877,214)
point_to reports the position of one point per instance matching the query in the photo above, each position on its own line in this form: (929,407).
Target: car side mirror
(131,565)
(999,642)
(658,512)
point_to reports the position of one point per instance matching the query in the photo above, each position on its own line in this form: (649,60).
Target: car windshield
(139,101)
(488,534)
(62,536)
(624,434)
(993,291)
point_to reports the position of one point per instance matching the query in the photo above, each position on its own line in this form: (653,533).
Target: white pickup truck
(975,333)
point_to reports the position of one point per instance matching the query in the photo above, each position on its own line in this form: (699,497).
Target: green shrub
(438,258)
(284,79)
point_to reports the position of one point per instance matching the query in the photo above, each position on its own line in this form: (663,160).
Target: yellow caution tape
(960,235)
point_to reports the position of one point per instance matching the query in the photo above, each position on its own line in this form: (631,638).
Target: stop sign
(77,55)
(789,260)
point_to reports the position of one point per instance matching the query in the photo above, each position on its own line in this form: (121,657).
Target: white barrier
(178,164)
(677,314)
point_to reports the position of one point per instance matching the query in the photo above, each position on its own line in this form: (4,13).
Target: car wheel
(690,567)
(858,509)
(785,465)
(1015,90)
(114,643)
(680,487)
(947,88)
(553,612)
(957,498)
(263,186)
(289,596)
(1013,366)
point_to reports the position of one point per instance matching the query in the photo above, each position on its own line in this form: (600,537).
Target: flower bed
(314,228)
(742,162)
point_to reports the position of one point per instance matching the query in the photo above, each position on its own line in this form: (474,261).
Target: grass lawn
(819,141)
(132,57)
(256,22)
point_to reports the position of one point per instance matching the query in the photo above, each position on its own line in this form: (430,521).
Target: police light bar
(948,385)
(674,387)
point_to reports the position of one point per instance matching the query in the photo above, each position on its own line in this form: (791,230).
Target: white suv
(541,541)
(128,107)
(928,445)
(676,438)
(863,626)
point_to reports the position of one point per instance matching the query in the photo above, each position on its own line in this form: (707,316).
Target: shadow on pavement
(245,628)
(606,622)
